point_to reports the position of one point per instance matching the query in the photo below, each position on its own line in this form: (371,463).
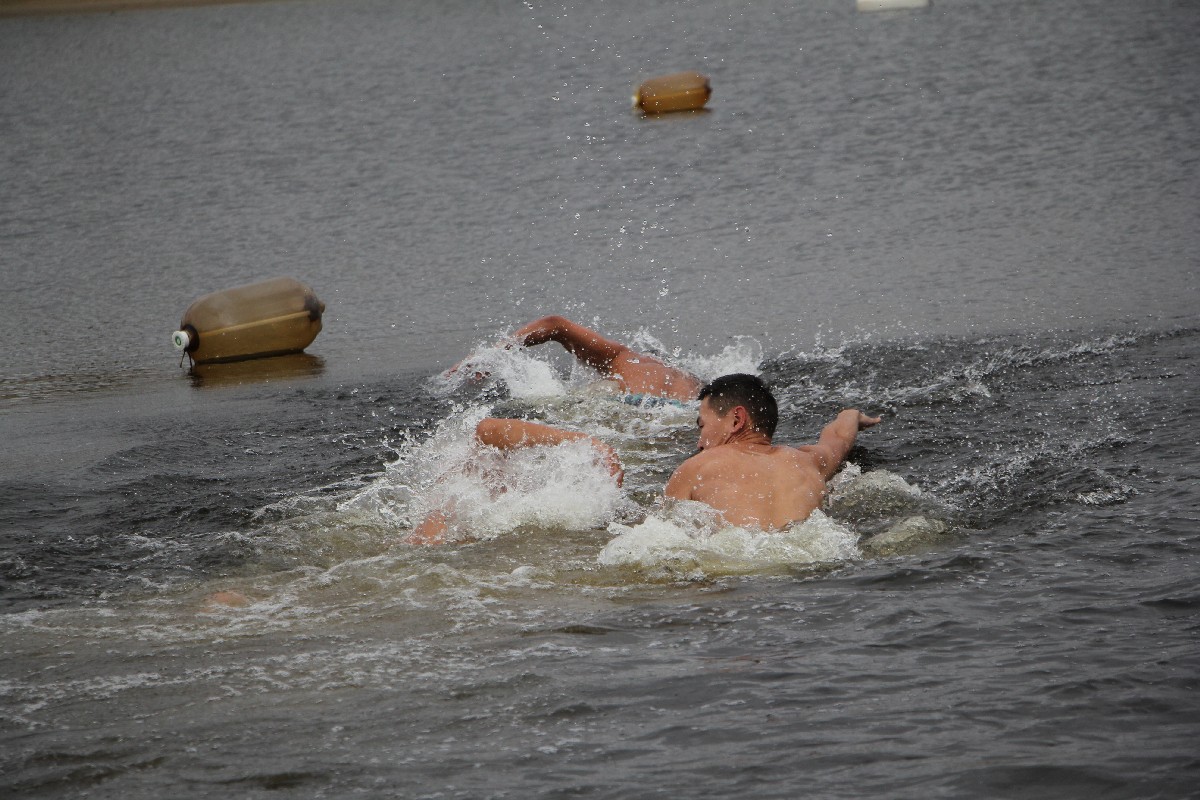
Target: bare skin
(633,372)
(754,483)
(511,434)
(227,598)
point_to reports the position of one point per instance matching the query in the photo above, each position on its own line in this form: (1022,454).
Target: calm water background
(981,219)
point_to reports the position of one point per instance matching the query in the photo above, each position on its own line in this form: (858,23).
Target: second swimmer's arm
(837,439)
(510,434)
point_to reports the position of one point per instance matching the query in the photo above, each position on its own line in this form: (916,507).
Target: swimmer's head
(729,391)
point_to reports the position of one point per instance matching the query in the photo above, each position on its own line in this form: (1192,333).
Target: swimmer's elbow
(484,429)
(492,432)
(825,459)
(549,328)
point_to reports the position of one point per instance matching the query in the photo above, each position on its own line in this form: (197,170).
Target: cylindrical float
(890,5)
(680,91)
(276,316)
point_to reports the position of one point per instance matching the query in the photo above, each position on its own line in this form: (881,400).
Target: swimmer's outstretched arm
(837,439)
(510,434)
(585,344)
(637,373)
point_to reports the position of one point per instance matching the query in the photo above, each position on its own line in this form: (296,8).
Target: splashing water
(565,487)
(524,376)
(689,541)
(488,494)
(745,355)
(528,374)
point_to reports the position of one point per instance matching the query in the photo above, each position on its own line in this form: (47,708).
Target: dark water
(979,220)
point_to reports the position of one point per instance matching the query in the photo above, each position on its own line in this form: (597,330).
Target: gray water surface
(979,219)
(442,171)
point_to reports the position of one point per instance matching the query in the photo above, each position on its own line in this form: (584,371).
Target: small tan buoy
(680,91)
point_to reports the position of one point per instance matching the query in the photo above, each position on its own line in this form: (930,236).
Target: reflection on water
(258,370)
(27,389)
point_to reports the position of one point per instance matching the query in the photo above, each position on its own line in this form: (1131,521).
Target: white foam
(419,468)
(528,374)
(487,492)
(687,538)
(524,374)
(906,535)
(875,493)
(745,355)
(564,487)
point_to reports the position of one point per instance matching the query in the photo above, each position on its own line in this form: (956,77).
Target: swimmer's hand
(609,455)
(865,422)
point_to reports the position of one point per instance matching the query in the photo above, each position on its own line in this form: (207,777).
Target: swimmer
(513,434)
(634,373)
(739,472)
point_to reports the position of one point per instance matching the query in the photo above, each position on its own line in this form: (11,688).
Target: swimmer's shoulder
(696,468)
(713,461)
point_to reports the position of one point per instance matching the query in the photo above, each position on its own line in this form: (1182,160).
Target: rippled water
(977,220)
(1047,619)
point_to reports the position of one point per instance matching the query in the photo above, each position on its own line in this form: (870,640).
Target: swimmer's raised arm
(837,439)
(634,372)
(510,434)
(585,344)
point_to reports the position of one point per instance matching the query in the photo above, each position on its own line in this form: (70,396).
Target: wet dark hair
(748,391)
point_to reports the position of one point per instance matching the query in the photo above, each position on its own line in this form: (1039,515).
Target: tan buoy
(891,5)
(271,318)
(680,91)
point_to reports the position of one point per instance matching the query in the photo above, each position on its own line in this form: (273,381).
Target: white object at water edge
(890,5)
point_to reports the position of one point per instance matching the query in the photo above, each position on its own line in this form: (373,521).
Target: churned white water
(689,543)
(488,493)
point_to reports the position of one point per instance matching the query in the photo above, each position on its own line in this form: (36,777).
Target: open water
(981,220)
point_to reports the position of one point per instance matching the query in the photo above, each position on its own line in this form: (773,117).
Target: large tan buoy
(276,316)
(680,91)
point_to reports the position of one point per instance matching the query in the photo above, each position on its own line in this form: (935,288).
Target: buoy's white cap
(181,340)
